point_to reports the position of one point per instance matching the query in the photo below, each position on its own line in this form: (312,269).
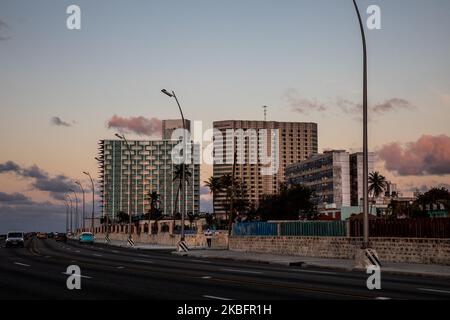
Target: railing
(404,228)
(313,228)
(255,229)
(294,228)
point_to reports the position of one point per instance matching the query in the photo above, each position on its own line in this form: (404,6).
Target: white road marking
(22,264)
(434,290)
(242,271)
(78,251)
(206,277)
(217,298)
(143,261)
(382,298)
(312,271)
(201,261)
(120,267)
(76,275)
(97,255)
(114,251)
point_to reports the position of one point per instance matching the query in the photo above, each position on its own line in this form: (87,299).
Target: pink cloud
(430,155)
(138,125)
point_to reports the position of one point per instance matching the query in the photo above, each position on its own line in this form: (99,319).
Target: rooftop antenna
(265,112)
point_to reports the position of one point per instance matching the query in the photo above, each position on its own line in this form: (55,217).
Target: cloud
(9,166)
(302,105)
(138,125)
(14,198)
(56,121)
(56,186)
(430,155)
(32,217)
(3,27)
(391,105)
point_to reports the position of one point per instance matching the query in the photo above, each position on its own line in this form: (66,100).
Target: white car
(15,239)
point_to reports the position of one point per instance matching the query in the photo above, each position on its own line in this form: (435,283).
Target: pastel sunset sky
(63,90)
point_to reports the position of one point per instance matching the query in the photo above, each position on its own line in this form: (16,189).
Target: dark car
(61,237)
(50,235)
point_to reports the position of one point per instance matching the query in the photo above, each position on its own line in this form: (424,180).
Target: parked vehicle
(87,237)
(50,235)
(15,239)
(42,235)
(61,237)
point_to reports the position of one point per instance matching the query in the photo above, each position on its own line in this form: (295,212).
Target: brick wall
(409,250)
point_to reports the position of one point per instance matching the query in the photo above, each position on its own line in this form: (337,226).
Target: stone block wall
(408,250)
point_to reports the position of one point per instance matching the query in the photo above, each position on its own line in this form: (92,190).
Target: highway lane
(38,271)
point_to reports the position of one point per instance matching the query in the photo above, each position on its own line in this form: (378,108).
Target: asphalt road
(39,272)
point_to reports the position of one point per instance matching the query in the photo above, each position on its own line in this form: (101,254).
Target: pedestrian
(208,235)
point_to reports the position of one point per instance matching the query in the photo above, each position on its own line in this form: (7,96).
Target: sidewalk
(424,270)
(138,246)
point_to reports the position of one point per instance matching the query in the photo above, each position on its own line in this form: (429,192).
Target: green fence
(313,228)
(294,228)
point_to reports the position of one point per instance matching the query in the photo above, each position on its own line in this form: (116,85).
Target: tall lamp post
(76,210)
(365,134)
(71,207)
(67,215)
(93,200)
(122,137)
(183,165)
(84,202)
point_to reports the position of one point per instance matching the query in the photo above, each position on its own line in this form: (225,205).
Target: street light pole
(365,134)
(122,137)
(84,202)
(93,200)
(183,168)
(71,209)
(76,209)
(67,216)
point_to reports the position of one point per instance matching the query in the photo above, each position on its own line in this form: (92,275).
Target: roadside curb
(305,265)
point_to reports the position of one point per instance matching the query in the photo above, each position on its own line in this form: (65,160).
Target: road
(38,272)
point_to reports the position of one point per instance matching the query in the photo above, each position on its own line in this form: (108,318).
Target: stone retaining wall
(409,250)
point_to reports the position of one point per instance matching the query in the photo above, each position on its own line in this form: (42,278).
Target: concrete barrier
(407,250)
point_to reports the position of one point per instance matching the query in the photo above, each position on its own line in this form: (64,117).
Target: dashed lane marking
(22,264)
(434,290)
(216,298)
(242,271)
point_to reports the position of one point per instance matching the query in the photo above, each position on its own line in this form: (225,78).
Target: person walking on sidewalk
(208,235)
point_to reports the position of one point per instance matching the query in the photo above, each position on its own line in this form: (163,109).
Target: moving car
(87,237)
(50,235)
(42,235)
(61,237)
(15,239)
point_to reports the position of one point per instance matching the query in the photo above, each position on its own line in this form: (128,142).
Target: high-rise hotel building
(149,168)
(294,141)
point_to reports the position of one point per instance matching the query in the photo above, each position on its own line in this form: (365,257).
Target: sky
(63,90)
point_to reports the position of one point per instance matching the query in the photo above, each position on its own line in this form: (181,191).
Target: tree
(123,217)
(377,186)
(215,186)
(289,204)
(153,197)
(433,198)
(177,176)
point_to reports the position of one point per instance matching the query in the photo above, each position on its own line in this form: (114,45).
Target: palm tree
(177,176)
(377,185)
(229,186)
(215,186)
(154,200)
